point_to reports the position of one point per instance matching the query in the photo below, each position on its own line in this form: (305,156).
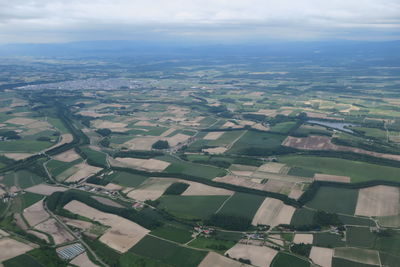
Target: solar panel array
(70,252)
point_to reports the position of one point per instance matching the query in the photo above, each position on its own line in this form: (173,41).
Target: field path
(223,204)
(234,141)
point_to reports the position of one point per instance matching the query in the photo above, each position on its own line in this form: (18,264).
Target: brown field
(229,124)
(78,172)
(378,200)
(216,260)
(83,261)
(321,256)
(177,139)
(17,156)
(273,167)
(331,178)
(84,225)
(67,156)
(53,228)
(258,255)
(168,132)
(144,123)
(213,135)
(215,150)
(152,188)
(144,164)
(141,143)
(259,126)
(107,201)
(99,124)
(273,212)
(47,190)
(198,189)
(35,214)
(123,233)
(303,238)
(10,248)
(21,121)
(92,114)
(324,143)
(322,116)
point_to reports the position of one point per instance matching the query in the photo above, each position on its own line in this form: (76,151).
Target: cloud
(60,20)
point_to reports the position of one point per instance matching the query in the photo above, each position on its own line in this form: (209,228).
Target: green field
(173,233)
(357,170)
(338,262)
(352,220)
(56,167)
(95,157)
(24,146)
(168,252)
(217,245)
(189,168)
(328,240)
(22,260)
(191,207)
(302,217)
(360,237)
(242,204)
(335,200)
(357,254)
(22,179)
(287,260)
(126,179)
(259,141)
(28,199)
(283,127)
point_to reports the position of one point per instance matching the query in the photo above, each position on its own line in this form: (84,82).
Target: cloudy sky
(198,20)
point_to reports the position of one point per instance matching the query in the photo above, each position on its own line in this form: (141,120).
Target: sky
(46,21)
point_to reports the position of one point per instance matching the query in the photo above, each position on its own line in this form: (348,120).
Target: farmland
(200,161)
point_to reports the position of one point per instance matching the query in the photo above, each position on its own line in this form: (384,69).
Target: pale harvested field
(278,186)
(10,248)
(215,150)
(273,212)
(35,214)
(246,123)
(47,190)
(67,156)
(53,228)
(107,201)
(145,164)
(216,260)
(198,189)
(123,233)
(331,178)
(296,192)
(80,171)
(273,167)
(321,256)
(83,261)
(21,121)
(259,256)
(17,156)
(324,143)
(281,177)
(259,126)
(113,187)
(235,180)
(99,124)
(358,255)
(267,112)
(229,124)
(65,139)
(141,143)
(92,114)
(177,139)
(242,173)
(3,233)
(77,223)
(303,238)
(152,188)
(213,135)
(378,200)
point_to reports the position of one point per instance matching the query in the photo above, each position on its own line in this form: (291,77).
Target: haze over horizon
(44,21)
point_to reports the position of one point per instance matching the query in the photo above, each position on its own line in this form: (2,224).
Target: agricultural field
(200,161)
